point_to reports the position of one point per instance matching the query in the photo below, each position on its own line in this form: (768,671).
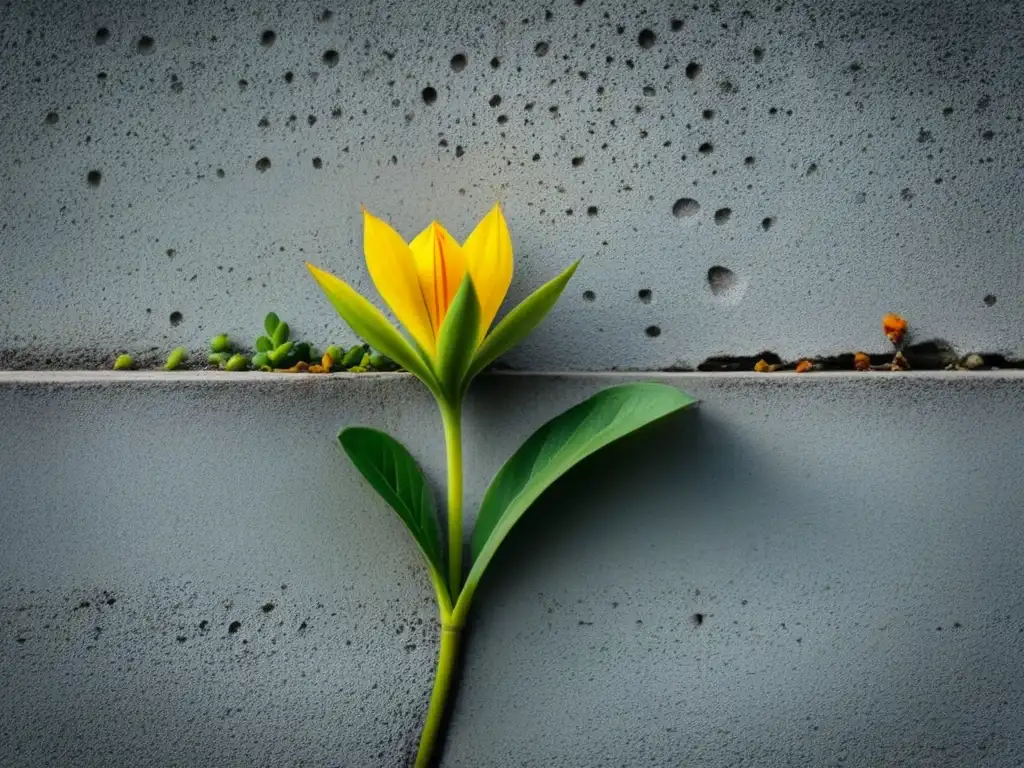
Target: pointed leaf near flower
(370,324)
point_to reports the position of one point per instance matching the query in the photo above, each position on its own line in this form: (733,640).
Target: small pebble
(973,362)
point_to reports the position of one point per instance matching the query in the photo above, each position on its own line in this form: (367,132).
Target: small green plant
(236,362)
(176,358)
(220,343)
(124,362)
(447,309)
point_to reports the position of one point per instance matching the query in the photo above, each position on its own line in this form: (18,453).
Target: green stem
(451,415)
(446,662)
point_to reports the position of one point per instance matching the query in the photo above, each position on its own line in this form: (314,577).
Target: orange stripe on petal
(393,269)
(440,266)
(489,259)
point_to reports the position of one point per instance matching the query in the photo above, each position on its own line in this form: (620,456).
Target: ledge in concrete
(806,571)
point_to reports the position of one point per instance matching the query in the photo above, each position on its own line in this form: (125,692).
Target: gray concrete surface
(884,173)
(813,571)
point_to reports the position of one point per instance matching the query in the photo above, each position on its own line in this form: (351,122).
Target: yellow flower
(445,295)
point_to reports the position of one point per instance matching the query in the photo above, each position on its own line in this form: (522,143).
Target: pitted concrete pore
(738,178)
(807,570)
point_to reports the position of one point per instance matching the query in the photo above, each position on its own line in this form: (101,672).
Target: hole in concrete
(577,161)
(268,38)
(677,24)
(767,223)
(429,95)
(326,16)
(693,70)
(722,280)
(706,148)
(263,164)
(749,160)
(220,173)
(459,62)
(318,163)
(722,215)
(698,619)
(989,300)
(495,100)
(652,331)
(589,295)
(495,62)
(331,58)
(646,39)
(289,76)
(644,294)
(145,45)
(541,49)
(102,35)
(708,114)
(268,607)
(234,626)
(758,53)
(591,210)
(94,178)
(52,117)
(176,318)
(684,207)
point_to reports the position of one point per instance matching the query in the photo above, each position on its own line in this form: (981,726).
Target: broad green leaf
(370,324)
(270,323)
(264,344)
(457,339)
(396,476)
(553,450)
(514,327)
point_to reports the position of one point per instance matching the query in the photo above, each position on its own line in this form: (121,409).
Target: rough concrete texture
(805,571)
(738,176)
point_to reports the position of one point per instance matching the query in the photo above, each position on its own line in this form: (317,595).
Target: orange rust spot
(762,366)
(327,363)
(894,327)
(804,366)
(861,362)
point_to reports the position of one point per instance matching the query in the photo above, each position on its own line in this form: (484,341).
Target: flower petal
(393,270)
(489,258)
(440,266)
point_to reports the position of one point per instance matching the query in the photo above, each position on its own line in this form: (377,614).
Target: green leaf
(370,324)
(270,323)
(457,340)
(553,450)
(264,344)
(514,327)
(280,335)
(396,476)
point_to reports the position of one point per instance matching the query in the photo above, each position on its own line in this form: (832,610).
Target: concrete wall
(845,159)
(807,571)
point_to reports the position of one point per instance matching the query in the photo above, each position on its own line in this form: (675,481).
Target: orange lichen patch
(762,366)
(300,367)
(861,362)
(327,363)
(899,363)
(894,327)
(804,366)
